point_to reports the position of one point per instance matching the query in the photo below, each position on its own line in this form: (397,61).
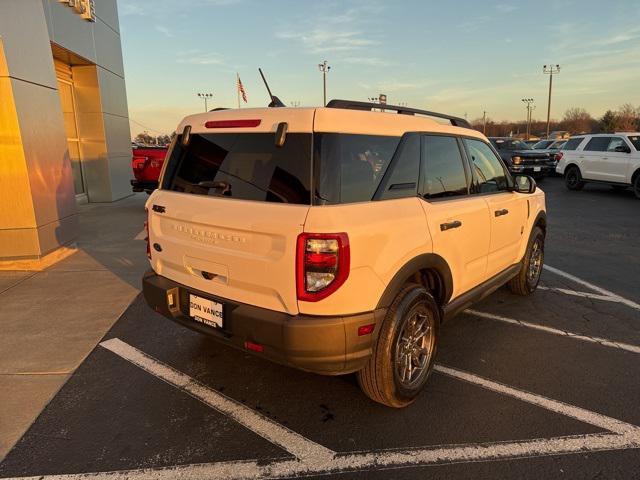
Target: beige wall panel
(45,149)
(47,16)
(71,31)
(120,169)
(108,49)
(116,133)
(107,11)
(17,244)
(15,191)
(113,93)
(25,36)
(60,232)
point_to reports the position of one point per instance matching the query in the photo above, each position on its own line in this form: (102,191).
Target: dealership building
(64,123)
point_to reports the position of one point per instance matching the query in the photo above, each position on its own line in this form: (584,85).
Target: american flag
(241,90)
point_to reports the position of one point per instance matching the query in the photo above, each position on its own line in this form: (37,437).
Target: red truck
(146,163)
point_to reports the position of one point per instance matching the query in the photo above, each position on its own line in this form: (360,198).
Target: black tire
(573,178)
(636,185)
(382,379)
(526,281)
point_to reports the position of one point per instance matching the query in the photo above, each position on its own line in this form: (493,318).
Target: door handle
(450,225)
(499,213)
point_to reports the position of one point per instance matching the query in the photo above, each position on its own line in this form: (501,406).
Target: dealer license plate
(537,169)
(205,311)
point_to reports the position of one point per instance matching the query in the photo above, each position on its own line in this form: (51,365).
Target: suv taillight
(558,156)
(146,227)
(322,264)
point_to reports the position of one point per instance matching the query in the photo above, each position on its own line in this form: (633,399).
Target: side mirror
(622,149)
(524,184)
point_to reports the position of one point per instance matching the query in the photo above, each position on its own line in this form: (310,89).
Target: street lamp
(550,70)
(324,68)
(205,96)
(530,107)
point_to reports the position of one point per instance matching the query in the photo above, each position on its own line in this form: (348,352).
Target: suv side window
(597,144)
(488,171)
(572,143)
(443,173)
(615,142)
(402,179)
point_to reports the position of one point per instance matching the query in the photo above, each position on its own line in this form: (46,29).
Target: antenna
(275,101)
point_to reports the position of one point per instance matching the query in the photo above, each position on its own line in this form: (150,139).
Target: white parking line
(314,459)
(563,333)
(593,287)
(575,293)
(289,440)
(142,235)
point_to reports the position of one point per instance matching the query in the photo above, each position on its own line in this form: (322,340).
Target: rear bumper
(325,345)
(141,186)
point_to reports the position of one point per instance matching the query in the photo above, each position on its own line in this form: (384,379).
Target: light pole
(530,107)
(484,122)
(550,70)
(205,96)
(324,68)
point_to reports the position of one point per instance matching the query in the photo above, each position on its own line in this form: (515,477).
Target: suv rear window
(572,143)
(246,166)
(597,144)
(349,168)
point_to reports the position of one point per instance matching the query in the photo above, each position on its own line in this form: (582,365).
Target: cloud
(367,61)
(324,31)
(196,58)
(164,30)
(505,7)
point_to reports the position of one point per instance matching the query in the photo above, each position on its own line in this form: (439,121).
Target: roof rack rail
(355,105)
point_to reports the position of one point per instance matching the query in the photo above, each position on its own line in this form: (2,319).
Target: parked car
(337,239)
(520,158)
(550,146)
(146,164)
(613,159)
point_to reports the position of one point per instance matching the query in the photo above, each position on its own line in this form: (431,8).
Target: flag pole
(238,88)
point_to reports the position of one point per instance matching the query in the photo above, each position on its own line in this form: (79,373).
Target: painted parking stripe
(563,333)
(623,436)
(580,414)
(271,431)
(593,287)
(591,296)
(142,235)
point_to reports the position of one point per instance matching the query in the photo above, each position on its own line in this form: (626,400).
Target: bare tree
(577,120)
(627,118)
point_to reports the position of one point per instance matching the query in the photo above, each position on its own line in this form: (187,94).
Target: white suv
(611,158)
(337,239)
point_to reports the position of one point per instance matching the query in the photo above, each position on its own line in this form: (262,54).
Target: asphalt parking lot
(540,387)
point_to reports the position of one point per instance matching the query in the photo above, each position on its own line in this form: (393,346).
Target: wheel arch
(430,270)
(570,165)
(541,221)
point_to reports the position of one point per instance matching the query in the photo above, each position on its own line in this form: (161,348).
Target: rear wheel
(404,352)
(573,179)
(636,186)
(526,282)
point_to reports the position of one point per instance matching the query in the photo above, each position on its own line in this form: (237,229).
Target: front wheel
(526,281)
(404,352)
(636,186)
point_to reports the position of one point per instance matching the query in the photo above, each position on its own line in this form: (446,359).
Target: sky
(457,57)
